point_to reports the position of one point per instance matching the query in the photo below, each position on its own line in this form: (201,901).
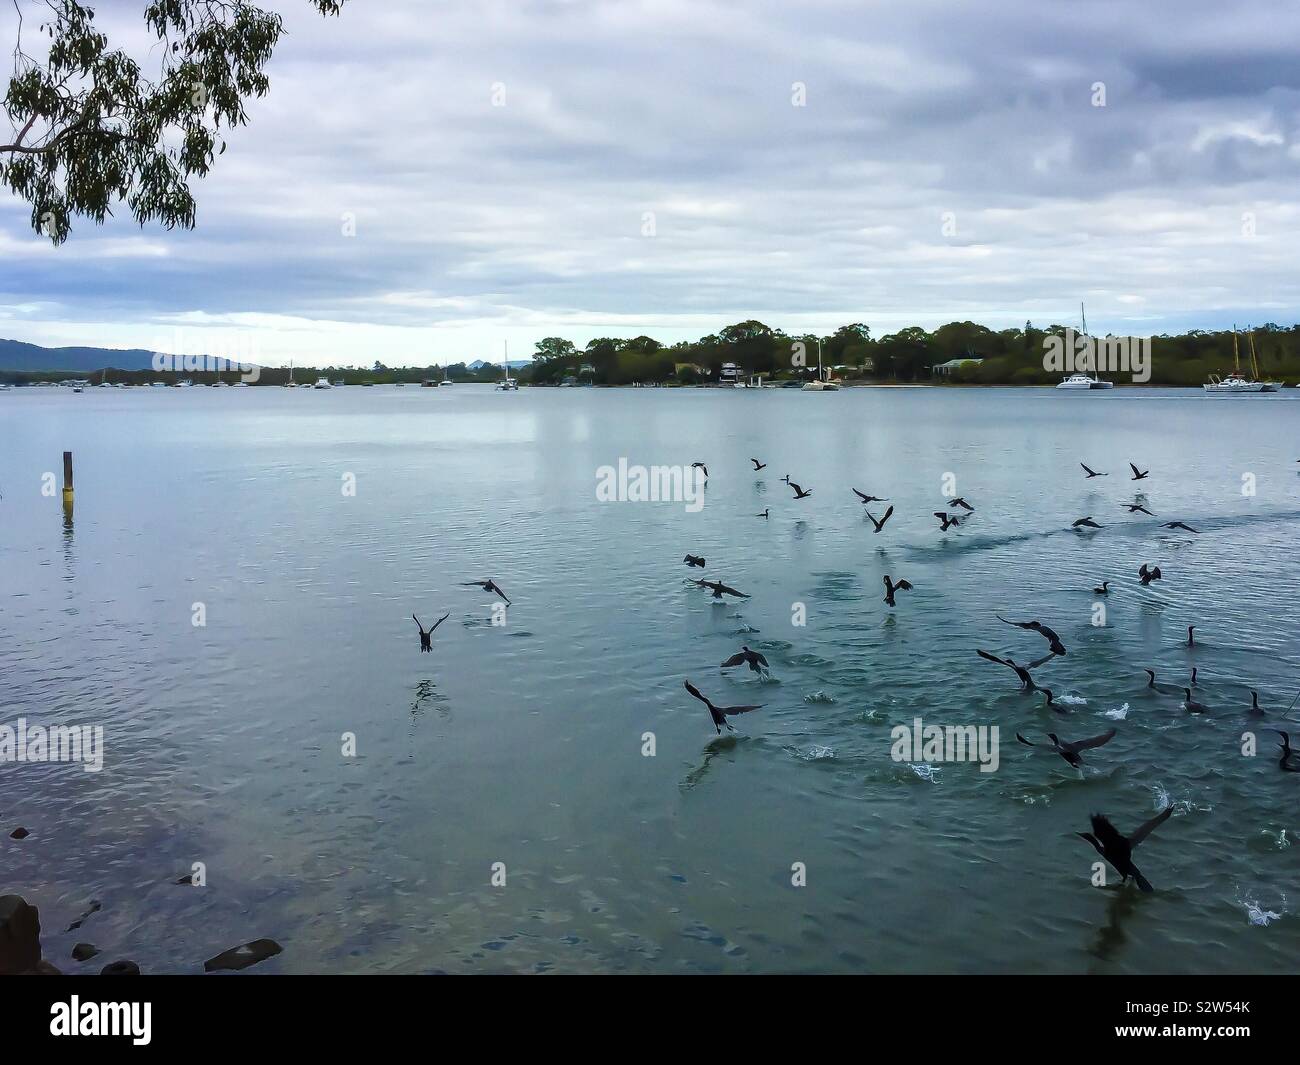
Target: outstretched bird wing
(440,620)
(1107,834)
(417,621)
(861,495)
(1025,741)
(888,514)
(696,692)
(731,711)
(737,659)
(1146,828)
(905,586)
(1093,741)
(994,658)
(759,657)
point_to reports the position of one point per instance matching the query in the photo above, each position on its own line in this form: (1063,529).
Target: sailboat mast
(1236,358)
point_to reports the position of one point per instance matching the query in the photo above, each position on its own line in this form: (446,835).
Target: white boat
(1081,382)
(1237,383)
(508,385)
(322,382)
(821,384)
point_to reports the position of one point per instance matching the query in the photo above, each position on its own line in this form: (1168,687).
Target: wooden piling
(67,475)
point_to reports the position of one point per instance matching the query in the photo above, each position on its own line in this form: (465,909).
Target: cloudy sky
(568,167)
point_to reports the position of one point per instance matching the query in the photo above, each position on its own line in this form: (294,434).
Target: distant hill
(514,364)
(17,355)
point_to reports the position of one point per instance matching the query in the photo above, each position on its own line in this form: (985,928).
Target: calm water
(522,744)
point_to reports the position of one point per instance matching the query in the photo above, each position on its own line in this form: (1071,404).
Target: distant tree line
(1009,356)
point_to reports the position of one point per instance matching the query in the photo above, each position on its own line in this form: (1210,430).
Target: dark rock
(84,951)
(120,968)
(244,956)
(94,906)
(20,935)
(19,833)
(43,968)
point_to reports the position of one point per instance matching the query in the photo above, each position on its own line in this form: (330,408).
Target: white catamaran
(1237,383)
(821,384)
(507,385)
(1079,381)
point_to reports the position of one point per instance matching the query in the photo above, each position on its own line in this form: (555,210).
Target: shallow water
(522,744)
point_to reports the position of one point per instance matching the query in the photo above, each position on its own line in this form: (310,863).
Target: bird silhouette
(881,523)
(891,588)
(1092,473)
(426,635)
(720,713)
(1138,475)
(1118,849)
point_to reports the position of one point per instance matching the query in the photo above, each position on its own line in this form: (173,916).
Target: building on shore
(945,369)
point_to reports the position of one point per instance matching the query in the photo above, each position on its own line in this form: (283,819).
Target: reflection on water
(521,745)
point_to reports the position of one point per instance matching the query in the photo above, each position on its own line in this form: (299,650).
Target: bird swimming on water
(701,466)
(1287,754)
(881,523)
(1255,708)
(1103,590)
(694,560)
(766,513)
(799,493)
(1118,849)
(745,656)
(1146,576)
(1193,707)
(1138,475)
(946,521)
(1089,474)
(1053,641)
(1191,640)
(891,588)
(1069,749)
(720,713)
(487,586)
(720,589)
(427,634)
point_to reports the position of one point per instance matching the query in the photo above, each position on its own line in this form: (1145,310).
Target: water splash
(819,697)
(1119,713)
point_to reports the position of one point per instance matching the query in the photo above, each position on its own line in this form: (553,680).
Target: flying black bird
(720,589)
(946,520)
(1069,749)
(1026,681)
(1053,641)
(1103,590)
(799,493)
(701,466)
(1193,707)
(745,656)
(427,634)
(1178,525)
(720,713)
(757,465)
(1148,575)
(1118,849)
(1287,754)
(487,586)
(959,502)
(1138,475)
(1087,523)
(881,523)
(1092,473)
(694,560)
(891,588)
(869,499)
(1136,508)
(766,513)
